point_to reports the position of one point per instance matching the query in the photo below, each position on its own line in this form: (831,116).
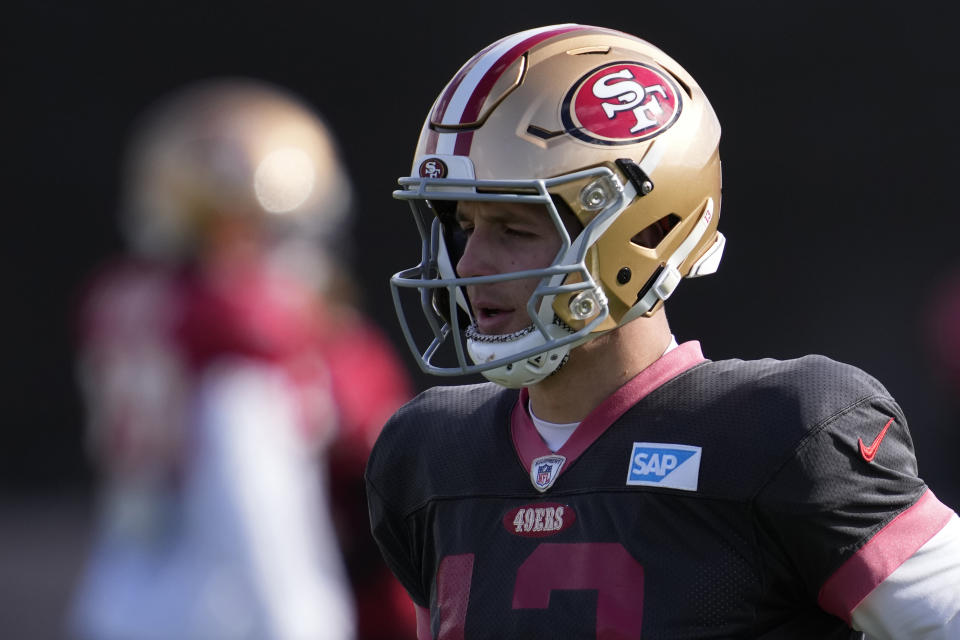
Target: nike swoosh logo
(868,453)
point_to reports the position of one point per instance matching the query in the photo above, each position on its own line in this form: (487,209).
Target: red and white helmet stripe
(462,99)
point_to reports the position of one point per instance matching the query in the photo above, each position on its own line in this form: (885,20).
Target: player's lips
(492,318)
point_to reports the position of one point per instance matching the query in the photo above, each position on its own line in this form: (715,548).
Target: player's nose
(477,259)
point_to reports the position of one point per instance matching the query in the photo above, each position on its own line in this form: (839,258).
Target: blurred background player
(233,389)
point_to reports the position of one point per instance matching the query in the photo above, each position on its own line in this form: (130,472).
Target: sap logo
(539,520)
(656,463)
(676,466)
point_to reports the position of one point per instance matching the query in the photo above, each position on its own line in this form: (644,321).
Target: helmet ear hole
(651,236)
(570,220)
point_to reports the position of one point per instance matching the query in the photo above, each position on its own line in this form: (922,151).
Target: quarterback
(566,180)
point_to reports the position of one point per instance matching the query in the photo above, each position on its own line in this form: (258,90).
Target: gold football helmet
(587,119)
(230,149)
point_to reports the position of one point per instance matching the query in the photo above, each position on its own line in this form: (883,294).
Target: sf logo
(433,168)
(631,96)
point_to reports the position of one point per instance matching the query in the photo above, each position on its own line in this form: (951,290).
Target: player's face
(503,238)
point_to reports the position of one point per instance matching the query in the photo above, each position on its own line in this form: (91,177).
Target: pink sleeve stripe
(423,623)
(882,554)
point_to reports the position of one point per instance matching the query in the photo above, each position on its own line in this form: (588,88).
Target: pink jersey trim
(423,623)
(882,554)
(528,443)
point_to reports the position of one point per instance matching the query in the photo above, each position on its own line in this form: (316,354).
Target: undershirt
(555,434)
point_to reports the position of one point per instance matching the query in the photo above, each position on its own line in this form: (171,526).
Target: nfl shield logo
(543,474)
(544,471)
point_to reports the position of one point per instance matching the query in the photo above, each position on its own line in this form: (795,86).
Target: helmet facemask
(566,307)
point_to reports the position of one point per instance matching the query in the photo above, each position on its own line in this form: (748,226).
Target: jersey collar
(528,443)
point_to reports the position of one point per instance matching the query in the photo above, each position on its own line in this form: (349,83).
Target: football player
(565,181)
(220,396)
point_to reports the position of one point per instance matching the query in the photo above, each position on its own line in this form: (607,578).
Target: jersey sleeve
(425,453)
(847,507)
(253,490)
(395,460)
(394,540)
(921,598)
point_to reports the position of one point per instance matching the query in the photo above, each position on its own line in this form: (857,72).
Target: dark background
(840,132)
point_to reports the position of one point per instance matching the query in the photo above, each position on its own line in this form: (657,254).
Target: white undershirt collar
(556,434)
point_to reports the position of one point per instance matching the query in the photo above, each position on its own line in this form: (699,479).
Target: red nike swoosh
(868,453)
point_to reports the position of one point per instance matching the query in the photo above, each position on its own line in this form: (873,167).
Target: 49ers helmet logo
(621,103)
(433,168)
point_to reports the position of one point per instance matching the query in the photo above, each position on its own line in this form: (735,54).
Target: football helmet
(591,120)
(230,149)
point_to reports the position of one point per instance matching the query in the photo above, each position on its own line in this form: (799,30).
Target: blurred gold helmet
(230,150)
(587,119)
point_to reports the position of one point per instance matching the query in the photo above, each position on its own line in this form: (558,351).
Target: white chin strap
(521,373)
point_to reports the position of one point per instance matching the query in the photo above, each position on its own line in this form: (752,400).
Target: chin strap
(520,373)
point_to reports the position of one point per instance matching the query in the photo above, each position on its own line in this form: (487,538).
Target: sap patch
(673,466)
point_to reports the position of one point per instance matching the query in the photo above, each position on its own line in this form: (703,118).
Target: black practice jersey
(703,499)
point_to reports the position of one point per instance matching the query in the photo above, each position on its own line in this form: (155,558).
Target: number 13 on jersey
(605,567)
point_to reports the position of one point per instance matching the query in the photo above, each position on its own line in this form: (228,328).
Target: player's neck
(598,368)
